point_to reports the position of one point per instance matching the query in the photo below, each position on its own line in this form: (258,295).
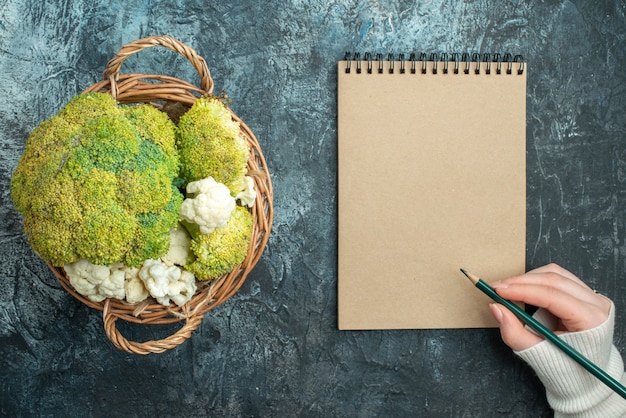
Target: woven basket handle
(112,70)
(149,347)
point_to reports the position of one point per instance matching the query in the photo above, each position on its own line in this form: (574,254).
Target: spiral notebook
(431,179)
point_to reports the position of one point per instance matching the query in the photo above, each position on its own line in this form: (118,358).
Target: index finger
(549,269)
(577,310)
(551,281)
(555,268)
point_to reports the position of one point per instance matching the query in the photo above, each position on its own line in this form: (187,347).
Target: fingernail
(498,285)
(496,312)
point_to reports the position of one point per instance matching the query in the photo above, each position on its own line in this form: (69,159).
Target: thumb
(513,332)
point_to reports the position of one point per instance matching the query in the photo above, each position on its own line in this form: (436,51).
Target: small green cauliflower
(223,249)
(97,182)
(210,144)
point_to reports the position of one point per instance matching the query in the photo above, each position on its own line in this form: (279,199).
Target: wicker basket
(174,96)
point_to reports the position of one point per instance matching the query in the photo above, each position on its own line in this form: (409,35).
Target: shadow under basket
(174,97)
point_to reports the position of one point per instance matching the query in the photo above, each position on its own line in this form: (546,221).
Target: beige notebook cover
(432,178)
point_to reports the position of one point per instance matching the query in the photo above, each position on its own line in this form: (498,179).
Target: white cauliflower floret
(248,194)
(167,283)
(96,282)
(180,240)
(133,286)
(210,207)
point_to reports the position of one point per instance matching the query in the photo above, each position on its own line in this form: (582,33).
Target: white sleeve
(570,389)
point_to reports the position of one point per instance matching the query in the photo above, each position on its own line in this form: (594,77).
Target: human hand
(575,306)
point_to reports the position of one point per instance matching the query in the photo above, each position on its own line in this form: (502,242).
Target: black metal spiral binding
(480,62)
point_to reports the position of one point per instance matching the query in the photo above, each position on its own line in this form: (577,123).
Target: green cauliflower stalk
(96,181)
(220,251)
(210,144)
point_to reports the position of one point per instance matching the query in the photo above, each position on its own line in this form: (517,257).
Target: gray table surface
(274,348)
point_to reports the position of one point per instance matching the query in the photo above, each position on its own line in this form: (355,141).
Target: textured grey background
(273,349)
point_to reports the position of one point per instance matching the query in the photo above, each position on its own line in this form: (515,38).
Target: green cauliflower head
(96,182)
(210,144)
(220,251)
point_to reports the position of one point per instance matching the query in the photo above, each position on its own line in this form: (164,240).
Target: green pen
(545,332)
